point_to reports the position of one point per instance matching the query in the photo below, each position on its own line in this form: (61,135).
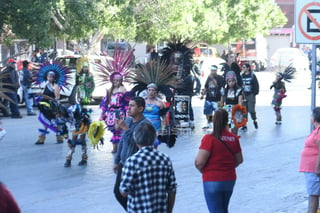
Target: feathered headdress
(81,62)
(156,74)
(118,65)
(178,53)
(61,74)
(288,73)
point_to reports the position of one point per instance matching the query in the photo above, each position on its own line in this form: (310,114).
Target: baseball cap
(11,61)
(213,67)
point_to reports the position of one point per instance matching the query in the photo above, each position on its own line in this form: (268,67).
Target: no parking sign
(307,21)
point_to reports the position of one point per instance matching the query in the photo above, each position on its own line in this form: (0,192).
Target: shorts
(312,183)
(210,107)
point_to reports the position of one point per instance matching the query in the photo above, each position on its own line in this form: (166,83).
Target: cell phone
(117,113)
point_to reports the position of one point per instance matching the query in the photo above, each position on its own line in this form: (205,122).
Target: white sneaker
(184,124)
(3,132)
(210,125)
(192,124)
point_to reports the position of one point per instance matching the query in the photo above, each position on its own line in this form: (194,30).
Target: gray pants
(250,104)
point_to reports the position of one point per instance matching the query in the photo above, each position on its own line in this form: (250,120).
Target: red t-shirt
(7,202)
(221,163)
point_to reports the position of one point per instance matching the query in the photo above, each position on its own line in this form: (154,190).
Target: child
(232,96)
(280,90)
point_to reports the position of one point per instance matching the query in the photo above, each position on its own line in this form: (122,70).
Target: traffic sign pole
(313,80)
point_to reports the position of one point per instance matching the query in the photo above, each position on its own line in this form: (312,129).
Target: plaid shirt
(147,178)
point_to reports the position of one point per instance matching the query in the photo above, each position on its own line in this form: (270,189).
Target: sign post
(307,31)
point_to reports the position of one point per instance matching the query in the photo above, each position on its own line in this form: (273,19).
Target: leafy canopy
(211,21)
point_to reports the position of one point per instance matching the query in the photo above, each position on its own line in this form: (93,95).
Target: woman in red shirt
(7,202)
(219,154)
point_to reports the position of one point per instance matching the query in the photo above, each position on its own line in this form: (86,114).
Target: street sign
(307,22)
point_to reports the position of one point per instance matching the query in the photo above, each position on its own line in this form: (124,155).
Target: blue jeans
(28,100)
(218,194)
(13,106)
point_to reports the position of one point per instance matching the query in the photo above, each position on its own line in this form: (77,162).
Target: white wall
(140,51)
(275,42)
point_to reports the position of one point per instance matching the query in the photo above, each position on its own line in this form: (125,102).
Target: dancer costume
(280,90)
(109,69)
(231,97)
(118,102)
(85,81)
(152,113)
(79,114)
(179,54)
(53,115)
(160,76)
(79,124)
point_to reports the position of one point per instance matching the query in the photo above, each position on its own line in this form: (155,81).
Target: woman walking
(219,154)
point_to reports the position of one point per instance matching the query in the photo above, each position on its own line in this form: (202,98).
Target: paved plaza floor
(268,180)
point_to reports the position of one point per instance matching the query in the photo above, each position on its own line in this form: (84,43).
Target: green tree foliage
(212,21)
(42,21)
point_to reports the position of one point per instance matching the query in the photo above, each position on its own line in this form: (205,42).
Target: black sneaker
(16,116)
(255,123)
(82,163)
(67,163)
(244,128)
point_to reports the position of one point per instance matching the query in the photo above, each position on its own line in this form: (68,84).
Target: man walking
(127,146)
(12,79)
(26,85)
(212,90)
(148,177)
(250,87)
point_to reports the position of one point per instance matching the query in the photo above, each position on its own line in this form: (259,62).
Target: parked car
(202,50)
(285,56)
(123,46)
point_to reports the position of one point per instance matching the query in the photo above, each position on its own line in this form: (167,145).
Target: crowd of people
(142,118)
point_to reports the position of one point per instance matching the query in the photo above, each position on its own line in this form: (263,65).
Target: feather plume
(163,75)
(120,63)
(288,73)
(177,45)
(62,74)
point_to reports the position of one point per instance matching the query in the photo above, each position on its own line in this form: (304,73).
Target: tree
(211,21)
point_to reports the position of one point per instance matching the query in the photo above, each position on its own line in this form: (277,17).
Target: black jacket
(11,78)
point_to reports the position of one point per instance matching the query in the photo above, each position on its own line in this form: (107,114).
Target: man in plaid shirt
(148,178)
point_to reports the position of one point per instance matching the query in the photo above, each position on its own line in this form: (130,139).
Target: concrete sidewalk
(268,180)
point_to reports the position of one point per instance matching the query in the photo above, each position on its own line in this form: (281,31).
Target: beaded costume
(115,101)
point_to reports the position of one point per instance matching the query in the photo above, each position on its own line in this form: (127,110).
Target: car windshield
(71,62)
(206,51)
(112,46)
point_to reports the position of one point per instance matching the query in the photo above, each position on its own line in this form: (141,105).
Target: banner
(182,105)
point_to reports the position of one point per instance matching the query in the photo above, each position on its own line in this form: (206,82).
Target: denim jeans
(217,195)
(28,100)
(121,199)
(13,106)
(191,116)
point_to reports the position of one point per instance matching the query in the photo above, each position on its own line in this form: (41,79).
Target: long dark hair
(248,66)
(220,121)
(111,90)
